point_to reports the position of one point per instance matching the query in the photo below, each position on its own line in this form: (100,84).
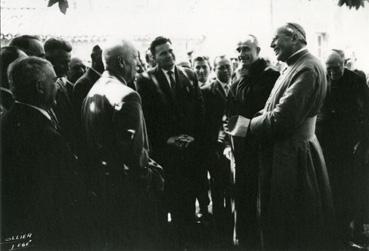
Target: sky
(209,27)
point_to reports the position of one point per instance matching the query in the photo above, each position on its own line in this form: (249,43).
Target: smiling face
(202,70)
(164,56)
(283,44)
(248,52)
(223,69)
(335,66)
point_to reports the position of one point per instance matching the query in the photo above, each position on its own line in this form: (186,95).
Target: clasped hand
(181,141)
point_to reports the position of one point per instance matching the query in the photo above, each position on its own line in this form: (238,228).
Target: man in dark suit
(58,52)
(248,95)
(343,129)
(115,129)
(215,145)
(84,84)
(41,189)
(173,108)
(80,90)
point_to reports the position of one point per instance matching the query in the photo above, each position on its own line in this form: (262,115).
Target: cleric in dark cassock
(294,193)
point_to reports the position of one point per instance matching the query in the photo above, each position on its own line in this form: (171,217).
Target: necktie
(226,89)
(171,79)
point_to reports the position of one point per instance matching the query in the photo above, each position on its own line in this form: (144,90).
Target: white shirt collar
(166,74)
(166,71)
(44,112)
(108,74)
(223,85)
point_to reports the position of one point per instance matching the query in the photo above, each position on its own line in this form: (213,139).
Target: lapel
(181,79)
(219,91)
(163,83)
(31,116)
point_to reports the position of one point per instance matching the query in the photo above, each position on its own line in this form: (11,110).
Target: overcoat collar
(294,57)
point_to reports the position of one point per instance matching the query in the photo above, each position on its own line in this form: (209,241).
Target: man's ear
(295,38)
(40,87)
(121,62)
(258,50)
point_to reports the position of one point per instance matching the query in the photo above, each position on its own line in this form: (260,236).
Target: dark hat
(298,30)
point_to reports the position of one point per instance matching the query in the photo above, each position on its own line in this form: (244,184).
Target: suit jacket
(115,128)
(170,112)
(114,124)
(215,101)
(41,188)
(344,117)
(81,88)
(6,100)
(65,113)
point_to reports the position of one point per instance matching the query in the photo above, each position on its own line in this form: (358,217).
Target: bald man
(247,96)
(42,192)
(115,129)
(295,203)
(343,126)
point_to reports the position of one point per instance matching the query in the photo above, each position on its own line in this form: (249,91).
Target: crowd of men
(123,155)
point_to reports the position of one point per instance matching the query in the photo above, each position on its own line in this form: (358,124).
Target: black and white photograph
(172,125)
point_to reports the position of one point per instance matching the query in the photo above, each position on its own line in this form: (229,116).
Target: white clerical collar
(296,52)
(44,112)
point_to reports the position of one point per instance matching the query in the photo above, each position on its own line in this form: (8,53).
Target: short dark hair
(7,55)
(57,44)
(23,42)
(158,41)
(24,74)
(220,57)
(202,59)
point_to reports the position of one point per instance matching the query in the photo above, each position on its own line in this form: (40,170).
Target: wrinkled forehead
(249,42)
